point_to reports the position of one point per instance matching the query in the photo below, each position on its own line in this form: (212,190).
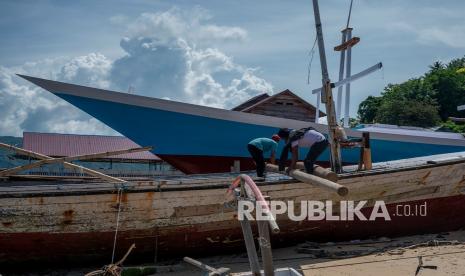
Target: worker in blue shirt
(258,147)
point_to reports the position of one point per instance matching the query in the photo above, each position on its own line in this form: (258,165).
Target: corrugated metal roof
(60,145)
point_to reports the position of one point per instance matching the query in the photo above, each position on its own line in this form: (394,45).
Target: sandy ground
(441,254)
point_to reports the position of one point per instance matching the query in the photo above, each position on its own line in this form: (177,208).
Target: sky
(213,53)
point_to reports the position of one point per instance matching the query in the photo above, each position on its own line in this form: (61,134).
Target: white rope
(120,193)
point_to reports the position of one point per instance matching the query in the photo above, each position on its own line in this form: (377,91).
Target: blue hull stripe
(173,133)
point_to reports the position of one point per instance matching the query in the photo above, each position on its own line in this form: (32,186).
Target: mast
(327,95)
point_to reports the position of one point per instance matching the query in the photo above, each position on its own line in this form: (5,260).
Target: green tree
(423,101)
(449,84)
(368,108)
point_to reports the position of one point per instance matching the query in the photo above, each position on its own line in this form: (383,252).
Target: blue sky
(239,48)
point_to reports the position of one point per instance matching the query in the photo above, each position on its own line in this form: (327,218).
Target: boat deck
(22,185)
(27,185)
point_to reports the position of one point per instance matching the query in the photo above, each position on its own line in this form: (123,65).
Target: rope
(112,269)
(311,54)
(120,193)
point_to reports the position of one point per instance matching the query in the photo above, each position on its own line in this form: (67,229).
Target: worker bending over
(258,147)
(305,138)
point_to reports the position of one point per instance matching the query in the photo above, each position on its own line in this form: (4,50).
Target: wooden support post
(341,77)
(250,246)
(313,180)
(265,247)
(367,151)
(70,158)
(327,96)
(66,164)
(348,73)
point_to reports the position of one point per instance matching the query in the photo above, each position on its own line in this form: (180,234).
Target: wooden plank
(70,158)
(66,164)
(349,43)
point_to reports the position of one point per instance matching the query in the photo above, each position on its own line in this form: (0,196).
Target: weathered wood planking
(194,209)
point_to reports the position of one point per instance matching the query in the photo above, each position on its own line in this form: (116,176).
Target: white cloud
(430,34)
(91,70)
(26,107)
(190,25)
(166,57)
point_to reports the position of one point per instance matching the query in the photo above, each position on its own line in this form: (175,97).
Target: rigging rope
(120,193)
(311,54)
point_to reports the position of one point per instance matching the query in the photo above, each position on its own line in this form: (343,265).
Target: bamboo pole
(313,180)
(66,164)
(70,158)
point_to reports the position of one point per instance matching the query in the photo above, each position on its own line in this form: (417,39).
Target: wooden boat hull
(193,132)
(76,222)
(59,248)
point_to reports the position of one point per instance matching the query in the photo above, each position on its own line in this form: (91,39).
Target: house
(284,104)
(142,163)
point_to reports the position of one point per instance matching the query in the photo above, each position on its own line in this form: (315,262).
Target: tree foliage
(423,101)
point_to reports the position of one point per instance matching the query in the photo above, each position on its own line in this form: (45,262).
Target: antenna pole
(327,95)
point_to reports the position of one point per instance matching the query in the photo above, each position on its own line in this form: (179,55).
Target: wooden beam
(349,43)
(66,164)
(70,158)
(313,180)
(320,172)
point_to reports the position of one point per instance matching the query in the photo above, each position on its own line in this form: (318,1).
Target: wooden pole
(327,97)
(348,72)
(265,247)
(367,151)
(341,76)
(317,114)
(250,246)
(210,270)
(66,164)
(248,237)
(313,180)
(70,158)
(320,172)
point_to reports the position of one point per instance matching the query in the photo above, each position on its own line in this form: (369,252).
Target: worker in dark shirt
(305,138)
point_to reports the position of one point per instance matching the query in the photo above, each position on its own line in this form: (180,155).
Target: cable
(311,54)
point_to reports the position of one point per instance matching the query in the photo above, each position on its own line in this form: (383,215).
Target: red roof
(61,145)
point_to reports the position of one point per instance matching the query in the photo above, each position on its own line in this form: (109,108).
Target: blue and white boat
(199,139)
